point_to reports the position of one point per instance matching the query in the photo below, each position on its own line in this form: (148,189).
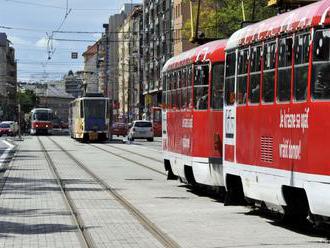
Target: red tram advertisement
(41,121)
(192,114)
(276,114)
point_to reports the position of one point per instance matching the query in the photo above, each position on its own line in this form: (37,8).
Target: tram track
(131,160)
(85,238)
(135,153)
(157,233)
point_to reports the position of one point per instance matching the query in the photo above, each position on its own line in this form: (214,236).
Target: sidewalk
(32,210)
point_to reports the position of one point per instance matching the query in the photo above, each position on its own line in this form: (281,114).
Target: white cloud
(42,43)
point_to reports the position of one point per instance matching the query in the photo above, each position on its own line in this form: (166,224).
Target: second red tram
(276,114)
(192,114)
(41,121)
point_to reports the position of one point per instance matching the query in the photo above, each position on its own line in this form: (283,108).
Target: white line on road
(6,152)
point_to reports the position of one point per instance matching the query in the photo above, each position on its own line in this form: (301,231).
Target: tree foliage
(221,18)
(28,100)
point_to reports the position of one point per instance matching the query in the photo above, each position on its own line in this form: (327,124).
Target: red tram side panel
(192,114)
(276,145)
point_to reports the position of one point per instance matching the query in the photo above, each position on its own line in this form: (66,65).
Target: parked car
(141,130)
(9,128)
(119,129)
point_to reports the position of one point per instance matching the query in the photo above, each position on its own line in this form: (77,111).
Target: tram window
(254,92)
(179,82)
(189,98)
(242,65)
(255,59)
(241,90)
(230,64)
(184,78)
(94,108)
(230,78)
(301,66)
(184,98)
(217,86)
(175,80)
(189,75)
(81,110)
(200,98)
(242,69)
(164,82)
(269,56)
(284,71)
(201,75)
(201,87)
(321,65)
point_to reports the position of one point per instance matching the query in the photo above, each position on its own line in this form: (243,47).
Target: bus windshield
(94,109)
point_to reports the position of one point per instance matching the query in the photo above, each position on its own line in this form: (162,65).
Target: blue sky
(44,16)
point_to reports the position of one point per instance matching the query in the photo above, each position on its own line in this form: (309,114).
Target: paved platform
(32,210)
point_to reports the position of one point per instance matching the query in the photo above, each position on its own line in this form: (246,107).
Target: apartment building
(157,47)
(180,15)
(8,79)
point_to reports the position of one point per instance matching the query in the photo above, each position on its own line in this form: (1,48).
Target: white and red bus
(276,113)
(42,121)
(193,114)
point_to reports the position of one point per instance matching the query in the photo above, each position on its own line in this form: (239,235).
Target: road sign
(74,55)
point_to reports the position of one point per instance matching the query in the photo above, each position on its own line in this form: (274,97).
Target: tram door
(229,113)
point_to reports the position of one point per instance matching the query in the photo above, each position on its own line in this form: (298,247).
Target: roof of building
(47,90)
(91,50)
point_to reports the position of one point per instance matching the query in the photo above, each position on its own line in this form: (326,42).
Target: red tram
(193,114)
(276,113)
(41,121)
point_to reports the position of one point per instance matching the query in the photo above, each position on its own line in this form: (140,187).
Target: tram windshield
(321,65)
(42,116)
(94,108)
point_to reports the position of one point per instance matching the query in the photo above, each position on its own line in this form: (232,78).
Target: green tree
(28,100)
(221,18)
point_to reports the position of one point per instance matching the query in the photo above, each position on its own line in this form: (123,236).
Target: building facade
(90,82)
(157,47)
(73,83)
(180,15)
(111,58)
(130,66)
(8,80)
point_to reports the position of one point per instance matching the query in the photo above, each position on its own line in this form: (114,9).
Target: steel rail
(162,237)
(135,153)
(84,236)
(132,160)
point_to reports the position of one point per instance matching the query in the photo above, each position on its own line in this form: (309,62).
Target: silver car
(141,130)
